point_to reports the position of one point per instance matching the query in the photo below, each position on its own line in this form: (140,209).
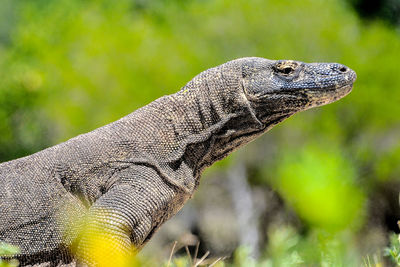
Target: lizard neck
(211,119)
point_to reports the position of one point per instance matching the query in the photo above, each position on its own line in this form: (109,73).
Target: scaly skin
(132,175)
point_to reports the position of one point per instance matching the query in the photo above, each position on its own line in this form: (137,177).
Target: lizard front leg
(127,215)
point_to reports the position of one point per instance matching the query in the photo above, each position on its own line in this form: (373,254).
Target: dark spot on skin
(103,189)
(174,165)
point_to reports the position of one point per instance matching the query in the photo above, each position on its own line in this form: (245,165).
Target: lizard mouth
(327,95)
(304,99)
(333,91)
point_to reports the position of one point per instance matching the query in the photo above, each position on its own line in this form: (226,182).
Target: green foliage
(388,10)
(8,250)
(320,185)
(286,247)
(282,248)
(242,258)
(393,251)
(320,248)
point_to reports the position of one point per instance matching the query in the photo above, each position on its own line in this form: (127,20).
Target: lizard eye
(285,68)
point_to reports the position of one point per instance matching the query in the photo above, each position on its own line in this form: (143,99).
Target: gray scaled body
(132,175)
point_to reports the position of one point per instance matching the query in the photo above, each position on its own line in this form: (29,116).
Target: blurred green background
(320,189)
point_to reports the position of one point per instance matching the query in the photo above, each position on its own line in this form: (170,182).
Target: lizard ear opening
(258,87)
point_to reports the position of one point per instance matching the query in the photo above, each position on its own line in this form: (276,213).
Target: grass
(193,260)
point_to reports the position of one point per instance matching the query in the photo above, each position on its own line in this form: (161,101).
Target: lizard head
(286,86)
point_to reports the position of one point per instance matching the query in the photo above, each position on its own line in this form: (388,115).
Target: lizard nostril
(343,69)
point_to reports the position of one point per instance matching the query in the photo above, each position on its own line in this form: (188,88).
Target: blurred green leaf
(320,185)
(8,250)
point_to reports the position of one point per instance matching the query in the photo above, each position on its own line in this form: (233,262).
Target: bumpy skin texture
(132,175)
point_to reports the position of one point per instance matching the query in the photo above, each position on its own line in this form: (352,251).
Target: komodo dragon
(132,175)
